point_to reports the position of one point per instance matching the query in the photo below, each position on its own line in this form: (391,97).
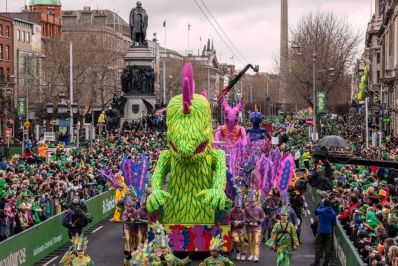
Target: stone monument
(138,77)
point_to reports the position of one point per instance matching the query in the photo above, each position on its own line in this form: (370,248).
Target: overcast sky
(252,25)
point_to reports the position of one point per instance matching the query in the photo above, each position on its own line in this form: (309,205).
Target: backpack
(67,218)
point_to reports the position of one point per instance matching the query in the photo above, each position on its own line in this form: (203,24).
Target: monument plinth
(138,83)
(138,76)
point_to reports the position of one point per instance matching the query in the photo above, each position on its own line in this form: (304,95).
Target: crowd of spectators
(366,202)
(32,190)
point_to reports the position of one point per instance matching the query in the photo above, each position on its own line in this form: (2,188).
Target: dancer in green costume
(283,239)
(197,171)
(216,259)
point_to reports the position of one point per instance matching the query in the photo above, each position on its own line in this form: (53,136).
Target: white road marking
(111,220)
(48,262)
(308,211)
(97,229)
(311,220)
(306,205)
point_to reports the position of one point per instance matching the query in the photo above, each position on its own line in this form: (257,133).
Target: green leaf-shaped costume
(197,171)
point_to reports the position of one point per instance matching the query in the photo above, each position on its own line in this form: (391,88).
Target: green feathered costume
(197,171)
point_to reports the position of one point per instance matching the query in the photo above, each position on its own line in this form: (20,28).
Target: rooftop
(45,3)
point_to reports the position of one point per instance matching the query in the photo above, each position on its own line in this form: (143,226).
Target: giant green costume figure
(197,171)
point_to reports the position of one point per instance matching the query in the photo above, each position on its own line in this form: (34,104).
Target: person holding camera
(324,235)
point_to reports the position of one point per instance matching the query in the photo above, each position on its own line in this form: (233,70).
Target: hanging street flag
(164,24)
(320,102)
(285,173)
(189,26)
(21,106)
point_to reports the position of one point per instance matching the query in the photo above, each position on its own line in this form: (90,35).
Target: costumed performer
(238,220)
(283,239)
(120,192)
(76,255)
(130,229)
(254,219)
(216,259)
(197,171)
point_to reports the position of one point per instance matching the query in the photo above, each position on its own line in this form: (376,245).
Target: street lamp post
(314,58)
(170,78)
(331,69)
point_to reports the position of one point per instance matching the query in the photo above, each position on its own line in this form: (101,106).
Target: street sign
(21,106)
(8,132)
(26,124)
(49,136)
(309,122)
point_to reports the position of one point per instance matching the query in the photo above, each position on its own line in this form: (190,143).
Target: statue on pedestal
(138,25)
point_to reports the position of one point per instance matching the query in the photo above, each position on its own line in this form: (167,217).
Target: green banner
(321,102)
(21,103)
(30,246)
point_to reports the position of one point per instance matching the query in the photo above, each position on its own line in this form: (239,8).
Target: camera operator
(318,178)
(324,235)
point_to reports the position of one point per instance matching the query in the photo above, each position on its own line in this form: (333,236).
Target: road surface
(106,247)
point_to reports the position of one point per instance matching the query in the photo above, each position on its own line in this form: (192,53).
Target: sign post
(8,136)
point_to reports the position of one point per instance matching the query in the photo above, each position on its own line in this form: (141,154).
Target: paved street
(106,248)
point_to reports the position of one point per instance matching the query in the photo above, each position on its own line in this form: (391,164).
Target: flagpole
(188,35)
(164,63)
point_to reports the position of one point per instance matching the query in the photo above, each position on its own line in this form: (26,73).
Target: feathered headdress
(79,243)
(252,195)
(238,201)
(216,243)
(285,210)
(158,228)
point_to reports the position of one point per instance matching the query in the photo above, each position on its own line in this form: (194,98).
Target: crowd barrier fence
(345,251)
(37,242)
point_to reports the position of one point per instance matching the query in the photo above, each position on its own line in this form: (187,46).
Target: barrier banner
(30,246)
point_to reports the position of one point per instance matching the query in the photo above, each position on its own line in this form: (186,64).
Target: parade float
(197,176)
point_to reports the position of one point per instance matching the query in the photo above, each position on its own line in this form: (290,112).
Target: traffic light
(363,93)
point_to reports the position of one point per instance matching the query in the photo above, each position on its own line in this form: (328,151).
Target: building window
(28,37)
(378,58)
(18,35)
(1,52)
(1,29)
(8,31)
(23,36)
(378,76)
(8,57)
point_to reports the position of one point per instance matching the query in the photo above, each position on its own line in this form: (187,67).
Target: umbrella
(332,141)
(160,110)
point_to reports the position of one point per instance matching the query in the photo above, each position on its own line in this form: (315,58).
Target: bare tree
(335,45)
(97,62)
